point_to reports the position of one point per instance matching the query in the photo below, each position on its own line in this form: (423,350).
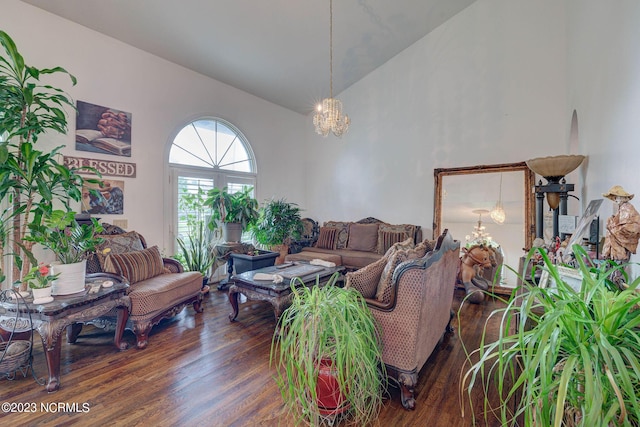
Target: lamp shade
(553,168)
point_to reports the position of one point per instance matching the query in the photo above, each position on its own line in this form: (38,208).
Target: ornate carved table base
(51,333)
(69,311)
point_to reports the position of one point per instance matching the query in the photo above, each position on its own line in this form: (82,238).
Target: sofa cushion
(117,244)
(342,233)
(363,237)
(157,293)
(389,234)
(327,238)
(135,266)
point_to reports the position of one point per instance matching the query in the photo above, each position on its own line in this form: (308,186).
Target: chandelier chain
(330,48)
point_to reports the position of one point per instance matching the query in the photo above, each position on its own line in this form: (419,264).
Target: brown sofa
(410,294)
(159,287)
(356,244)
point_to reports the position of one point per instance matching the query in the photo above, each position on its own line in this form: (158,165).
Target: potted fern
(328,355)
(564,356)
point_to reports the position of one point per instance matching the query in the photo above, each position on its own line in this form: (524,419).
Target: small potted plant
(233,212)
(40,279)
(71,243)
(328,355)
(564,356)
(279,222)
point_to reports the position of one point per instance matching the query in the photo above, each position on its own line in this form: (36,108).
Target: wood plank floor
(202,370)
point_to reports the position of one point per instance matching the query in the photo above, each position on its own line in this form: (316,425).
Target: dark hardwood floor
(202,370)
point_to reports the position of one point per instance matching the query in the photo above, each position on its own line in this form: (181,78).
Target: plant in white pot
(39,279)
(71,243)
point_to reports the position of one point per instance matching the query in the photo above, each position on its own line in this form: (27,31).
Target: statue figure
(474,259)
(623,228)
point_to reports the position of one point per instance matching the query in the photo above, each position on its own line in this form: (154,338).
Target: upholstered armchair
(410,293)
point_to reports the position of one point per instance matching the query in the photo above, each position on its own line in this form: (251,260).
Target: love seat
(410,293)
(356,244)
(159,287)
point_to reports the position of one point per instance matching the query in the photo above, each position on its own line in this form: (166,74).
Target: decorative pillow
(342,233)
(422,248)
(405,245)
(387,238)
(389,234)
(363,237)
(136,266)
(383,293)
(327,238)
(118,244)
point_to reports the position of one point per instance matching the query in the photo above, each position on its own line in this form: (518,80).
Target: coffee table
(278,294)
(52,318)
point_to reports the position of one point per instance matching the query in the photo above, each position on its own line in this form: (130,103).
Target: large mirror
(465,197)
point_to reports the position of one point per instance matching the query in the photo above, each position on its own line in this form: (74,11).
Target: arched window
(208,153)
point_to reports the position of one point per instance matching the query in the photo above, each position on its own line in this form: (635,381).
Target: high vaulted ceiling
(277,50)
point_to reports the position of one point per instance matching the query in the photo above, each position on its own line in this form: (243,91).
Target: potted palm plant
(564,356)
(31,179)
(328,355)
(279,222)
(233,212)
(71,243)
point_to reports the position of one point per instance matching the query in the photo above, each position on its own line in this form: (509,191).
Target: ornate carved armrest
(172,265)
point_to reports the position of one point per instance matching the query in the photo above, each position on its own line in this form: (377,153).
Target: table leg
(233,300)
(51,344)
(73,330)
(123,316)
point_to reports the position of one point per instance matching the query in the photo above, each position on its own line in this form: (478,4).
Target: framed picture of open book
(107,199)
(103,130)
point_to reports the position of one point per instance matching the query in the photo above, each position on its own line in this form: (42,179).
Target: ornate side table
(51,319)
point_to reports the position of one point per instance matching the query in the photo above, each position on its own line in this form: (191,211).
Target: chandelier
(329,117)
(479,234)
(497,214)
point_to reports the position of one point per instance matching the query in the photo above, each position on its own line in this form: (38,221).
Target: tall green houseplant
(328,355)
(197,247)
(31,180)
(279,222)
(564,357)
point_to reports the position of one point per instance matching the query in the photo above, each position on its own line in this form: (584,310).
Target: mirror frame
(529,197)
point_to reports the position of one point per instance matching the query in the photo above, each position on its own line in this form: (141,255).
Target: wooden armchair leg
(407,383)
(142,333)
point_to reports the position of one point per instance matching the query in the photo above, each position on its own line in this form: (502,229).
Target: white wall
(488,86)
(162,97)
(603,86)
(497,83)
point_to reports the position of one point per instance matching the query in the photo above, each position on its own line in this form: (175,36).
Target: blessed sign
(105,167)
